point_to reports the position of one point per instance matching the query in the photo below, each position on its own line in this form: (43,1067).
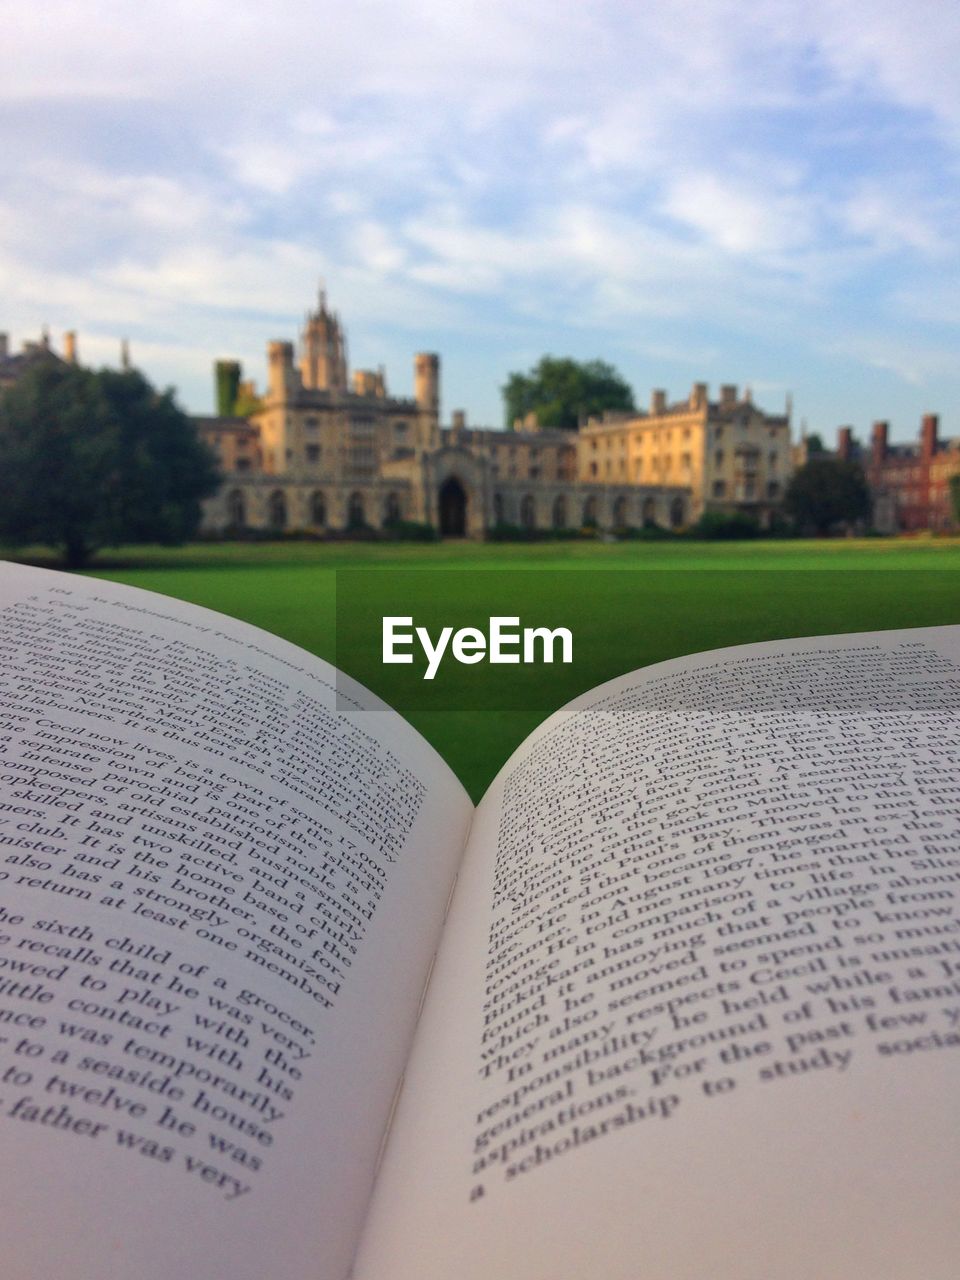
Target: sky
(765,194)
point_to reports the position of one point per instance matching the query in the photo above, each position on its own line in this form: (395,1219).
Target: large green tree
(92,459)
(827,491)
(562,391)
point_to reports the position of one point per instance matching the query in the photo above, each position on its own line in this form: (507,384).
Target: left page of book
(221,887)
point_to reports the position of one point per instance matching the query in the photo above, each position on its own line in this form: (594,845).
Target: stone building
(728,455)
(14,365)
(330,452)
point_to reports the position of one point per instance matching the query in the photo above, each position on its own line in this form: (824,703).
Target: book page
(697,1009)
(220,894)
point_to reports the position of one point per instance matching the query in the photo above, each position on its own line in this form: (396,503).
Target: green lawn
(628,604)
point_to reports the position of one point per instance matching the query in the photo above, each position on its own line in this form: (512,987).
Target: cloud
(688,175)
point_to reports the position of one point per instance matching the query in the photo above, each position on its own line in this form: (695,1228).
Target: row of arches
(278,515)
(564,512)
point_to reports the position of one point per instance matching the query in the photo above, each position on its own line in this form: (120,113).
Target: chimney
(458,420)
(844,442)
(728,395)
(70,346)
(124,354)
(658,402)
(698,395)
(928,434)
(879,442)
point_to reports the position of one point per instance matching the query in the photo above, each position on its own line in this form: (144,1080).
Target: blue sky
(765,194)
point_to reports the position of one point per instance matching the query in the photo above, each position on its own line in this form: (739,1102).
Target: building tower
(323,365)
(426,381)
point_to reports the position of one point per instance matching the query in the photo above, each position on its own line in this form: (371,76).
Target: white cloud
(739,220)
(891,221)
(513,165)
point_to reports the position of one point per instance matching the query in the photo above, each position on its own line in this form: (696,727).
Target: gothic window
(392,509)
(649,514)
(676,513)
(560,512)
(318,510)
(620,513)
(498,508)
(527,511)
(590,513)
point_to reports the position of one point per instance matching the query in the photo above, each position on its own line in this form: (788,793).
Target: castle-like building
(322,451)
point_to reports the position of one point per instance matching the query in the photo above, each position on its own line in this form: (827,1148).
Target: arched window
(391,511)
(278,510)
(676,513)
(318,510)
(649,513)
(355,516)
(590,513)
(498,508)
(236,509)
(528,515)
(620,513)
(560,512)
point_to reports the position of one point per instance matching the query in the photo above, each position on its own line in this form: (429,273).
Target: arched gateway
(453,509)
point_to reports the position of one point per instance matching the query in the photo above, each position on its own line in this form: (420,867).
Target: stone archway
(453,509)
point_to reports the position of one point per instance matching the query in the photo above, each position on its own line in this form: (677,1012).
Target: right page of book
(697,1010)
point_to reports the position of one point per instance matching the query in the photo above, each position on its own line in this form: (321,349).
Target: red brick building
(910,483)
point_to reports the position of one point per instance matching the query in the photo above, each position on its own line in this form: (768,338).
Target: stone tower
(426,381)
(323,364)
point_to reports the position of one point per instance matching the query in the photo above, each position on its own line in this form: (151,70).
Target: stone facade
(327,453)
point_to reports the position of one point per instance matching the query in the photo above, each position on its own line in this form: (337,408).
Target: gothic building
(323,452)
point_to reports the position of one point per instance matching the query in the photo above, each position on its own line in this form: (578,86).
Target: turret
(426,381)
(226,375)
(281,375)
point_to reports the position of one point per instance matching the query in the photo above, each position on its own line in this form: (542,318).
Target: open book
(681,998)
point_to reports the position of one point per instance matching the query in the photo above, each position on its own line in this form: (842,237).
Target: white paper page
(697,1010)
(219,899)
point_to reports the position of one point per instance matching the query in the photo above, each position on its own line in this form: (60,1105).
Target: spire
(124,354)
(789,405)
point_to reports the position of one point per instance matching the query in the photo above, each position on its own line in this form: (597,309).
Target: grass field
(628,604)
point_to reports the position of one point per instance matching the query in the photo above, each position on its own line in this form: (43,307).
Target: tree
(826,491)
(91,459)
(955,498)
(561,392)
